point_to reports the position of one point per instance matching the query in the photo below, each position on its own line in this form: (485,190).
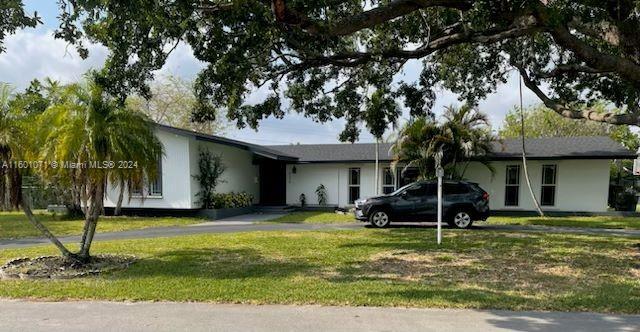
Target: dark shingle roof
(583,147)
(264,151)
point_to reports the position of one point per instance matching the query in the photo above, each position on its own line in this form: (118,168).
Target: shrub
(211,168)
(626,200)
(232,200)
(321,191)
(303,200)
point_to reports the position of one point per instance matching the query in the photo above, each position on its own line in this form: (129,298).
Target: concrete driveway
(113,316)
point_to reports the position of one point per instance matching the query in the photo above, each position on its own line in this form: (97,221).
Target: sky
(34,53)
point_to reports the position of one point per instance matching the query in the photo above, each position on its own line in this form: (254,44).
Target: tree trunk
(3,189)
(118,208)
(15,188)
(524,156)
(43,229)
(91,220)
(377,168)
(84,196)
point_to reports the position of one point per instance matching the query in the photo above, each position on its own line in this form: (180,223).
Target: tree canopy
(539,122)
(171,103)
(329,59)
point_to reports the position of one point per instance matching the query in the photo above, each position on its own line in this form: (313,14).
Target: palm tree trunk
(15,188)
(91,220)
(377,168)
(118,208)
(44,230)
(3,188)
(524,156)
(84,199)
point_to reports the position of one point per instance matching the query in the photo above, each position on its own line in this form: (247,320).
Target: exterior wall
(240,174)
(180,163)
(176,187)
(334,177)
(581,185)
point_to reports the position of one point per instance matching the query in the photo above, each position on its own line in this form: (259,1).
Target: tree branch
(626,68)
(568,112)
(354,59)
(366,19)
(571,68)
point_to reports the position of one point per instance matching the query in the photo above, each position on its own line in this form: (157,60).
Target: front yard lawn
(594,222)
(313,217)
(390,267)
(14,225)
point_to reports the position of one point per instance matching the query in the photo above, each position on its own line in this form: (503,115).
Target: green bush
(211,169)
(232,200)
(626,200)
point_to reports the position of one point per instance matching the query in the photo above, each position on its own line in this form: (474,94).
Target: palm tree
(463,136)
(12,144)
(89,126)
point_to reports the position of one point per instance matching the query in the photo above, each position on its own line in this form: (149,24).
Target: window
(417,190)
(150,187)
(455,189)
(548,191)
(512,186)
(155,185)
(409,175)
(354,184)
(388,185)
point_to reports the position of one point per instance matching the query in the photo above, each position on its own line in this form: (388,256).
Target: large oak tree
(326,58)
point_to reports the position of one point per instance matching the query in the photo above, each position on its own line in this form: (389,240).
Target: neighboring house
(568,174)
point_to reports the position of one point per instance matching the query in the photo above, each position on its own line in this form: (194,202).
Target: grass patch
(14,225)
(315,217)
(593,222)
(390,267)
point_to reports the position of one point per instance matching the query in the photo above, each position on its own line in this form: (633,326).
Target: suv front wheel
(460,219)
(379,219)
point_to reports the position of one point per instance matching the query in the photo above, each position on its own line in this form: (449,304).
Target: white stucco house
(568,174)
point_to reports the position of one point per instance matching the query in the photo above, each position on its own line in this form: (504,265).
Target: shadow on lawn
(215,263)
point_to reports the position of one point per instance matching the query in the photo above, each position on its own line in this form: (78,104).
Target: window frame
(149,186)
(508,185)
(350,185)
(553,185)
(385,185)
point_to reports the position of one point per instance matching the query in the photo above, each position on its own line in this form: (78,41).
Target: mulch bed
(57,267)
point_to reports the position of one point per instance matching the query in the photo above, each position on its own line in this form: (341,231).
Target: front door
(273,181)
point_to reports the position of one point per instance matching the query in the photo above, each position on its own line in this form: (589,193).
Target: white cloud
(36,54)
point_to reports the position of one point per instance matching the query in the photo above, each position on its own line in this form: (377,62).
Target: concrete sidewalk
(114,316)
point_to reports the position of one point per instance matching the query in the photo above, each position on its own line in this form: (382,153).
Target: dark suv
(464,202)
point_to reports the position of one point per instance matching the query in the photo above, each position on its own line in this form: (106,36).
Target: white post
(440,174)
(377,170)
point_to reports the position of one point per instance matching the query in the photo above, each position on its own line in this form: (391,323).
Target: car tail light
(485,196)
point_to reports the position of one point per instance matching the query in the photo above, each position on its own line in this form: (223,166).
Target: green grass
(312,217)
(372,267)
(14,225)
(594,222)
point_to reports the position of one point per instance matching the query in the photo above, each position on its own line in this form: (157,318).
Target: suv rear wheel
(460,219)
(379,219)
